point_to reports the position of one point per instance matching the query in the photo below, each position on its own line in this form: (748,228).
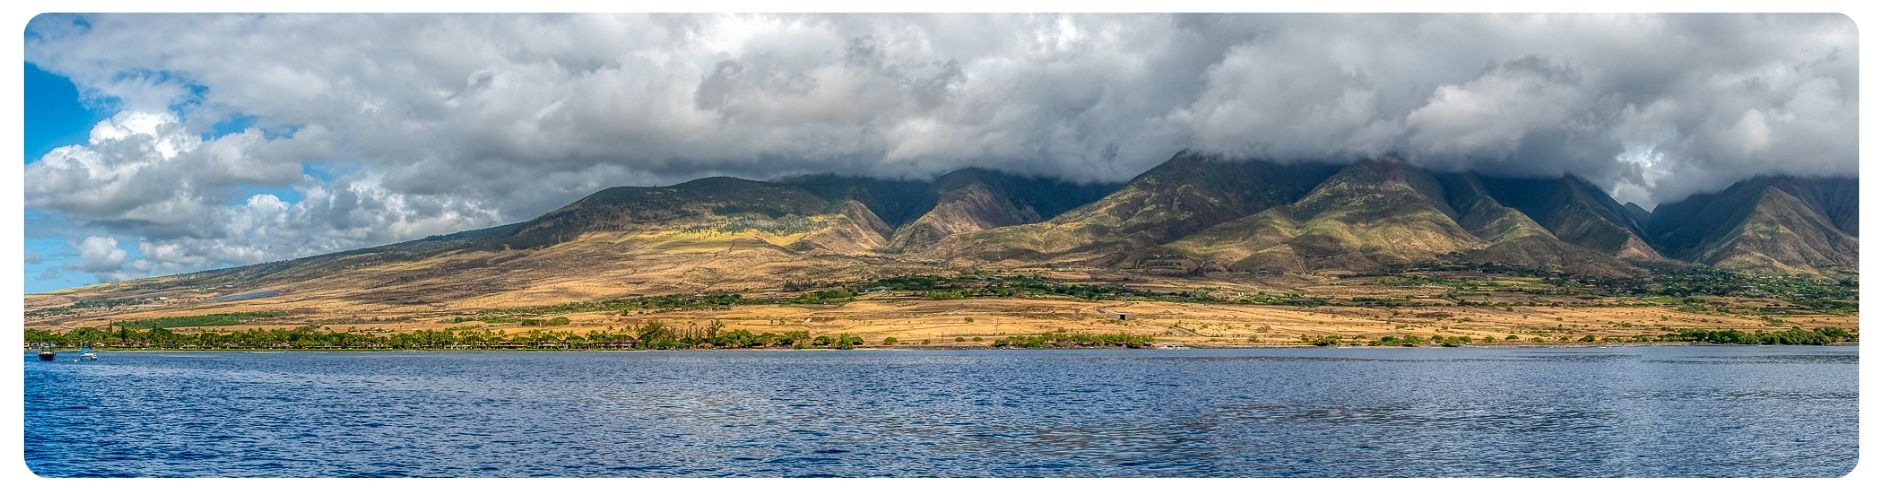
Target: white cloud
(100,255)
(1488,118)
(148,169)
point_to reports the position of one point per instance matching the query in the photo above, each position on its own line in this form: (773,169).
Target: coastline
(955,348)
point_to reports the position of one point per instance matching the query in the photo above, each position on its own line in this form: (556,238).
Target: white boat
(87,356)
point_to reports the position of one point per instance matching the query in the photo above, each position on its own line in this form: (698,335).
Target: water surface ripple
(1632,411)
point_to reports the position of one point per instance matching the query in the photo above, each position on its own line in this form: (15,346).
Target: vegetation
(1670,288)
(90,304)
(969,286)
(669,302)
(219,319)
(1794,336)
(825,296)
(841,342)
(530,316)
(650,335)
(1673,287)
(1405,341)
(1073,340)
(658,335)
(1321,341)
(1464,284)
(1285,300)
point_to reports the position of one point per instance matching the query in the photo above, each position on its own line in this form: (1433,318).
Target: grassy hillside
(896,202)
(1368,216)
(1576,212)
(972,200)
(1774,224)
(1187,194)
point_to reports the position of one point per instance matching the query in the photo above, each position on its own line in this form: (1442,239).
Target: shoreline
(951,348)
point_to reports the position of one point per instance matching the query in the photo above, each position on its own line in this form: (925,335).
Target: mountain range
(1195,215)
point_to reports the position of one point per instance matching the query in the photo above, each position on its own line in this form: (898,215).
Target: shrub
(1066,340)
(829,296)
(1323,341)
(1795,336)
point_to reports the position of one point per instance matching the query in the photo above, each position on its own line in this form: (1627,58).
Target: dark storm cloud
(434,123)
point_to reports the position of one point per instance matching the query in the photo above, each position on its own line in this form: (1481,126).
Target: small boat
(89,356)
(45,355)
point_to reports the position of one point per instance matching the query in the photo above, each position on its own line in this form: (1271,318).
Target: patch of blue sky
(56,114)
(52,264)
(287,194)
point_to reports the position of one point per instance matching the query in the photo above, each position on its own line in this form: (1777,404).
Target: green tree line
(649,335)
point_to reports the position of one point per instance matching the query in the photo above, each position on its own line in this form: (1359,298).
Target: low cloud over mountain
(241,138)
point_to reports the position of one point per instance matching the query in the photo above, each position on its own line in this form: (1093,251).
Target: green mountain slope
(1773,224)
(709,204)
(1513,238)
(1576,212)
(974,199)
(1369,216)
(1184,195)
(896,202)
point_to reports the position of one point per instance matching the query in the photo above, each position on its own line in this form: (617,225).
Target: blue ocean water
(1629,411)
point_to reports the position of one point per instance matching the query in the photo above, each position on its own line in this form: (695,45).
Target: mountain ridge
(1193,215)
(1769,223)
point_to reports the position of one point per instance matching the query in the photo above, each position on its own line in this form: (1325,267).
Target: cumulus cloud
(100,254)
(145,174)
(147,170)
(392,127)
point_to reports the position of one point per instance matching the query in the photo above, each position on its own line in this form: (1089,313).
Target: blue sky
(55,116)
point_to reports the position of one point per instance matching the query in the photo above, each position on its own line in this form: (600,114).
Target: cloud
(100,254)
(391,127)
(147,171)
(1488,118)
(143,173)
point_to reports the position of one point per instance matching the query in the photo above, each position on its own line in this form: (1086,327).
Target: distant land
(1199,251)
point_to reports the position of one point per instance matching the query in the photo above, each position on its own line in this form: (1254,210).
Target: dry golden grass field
(1504,315)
